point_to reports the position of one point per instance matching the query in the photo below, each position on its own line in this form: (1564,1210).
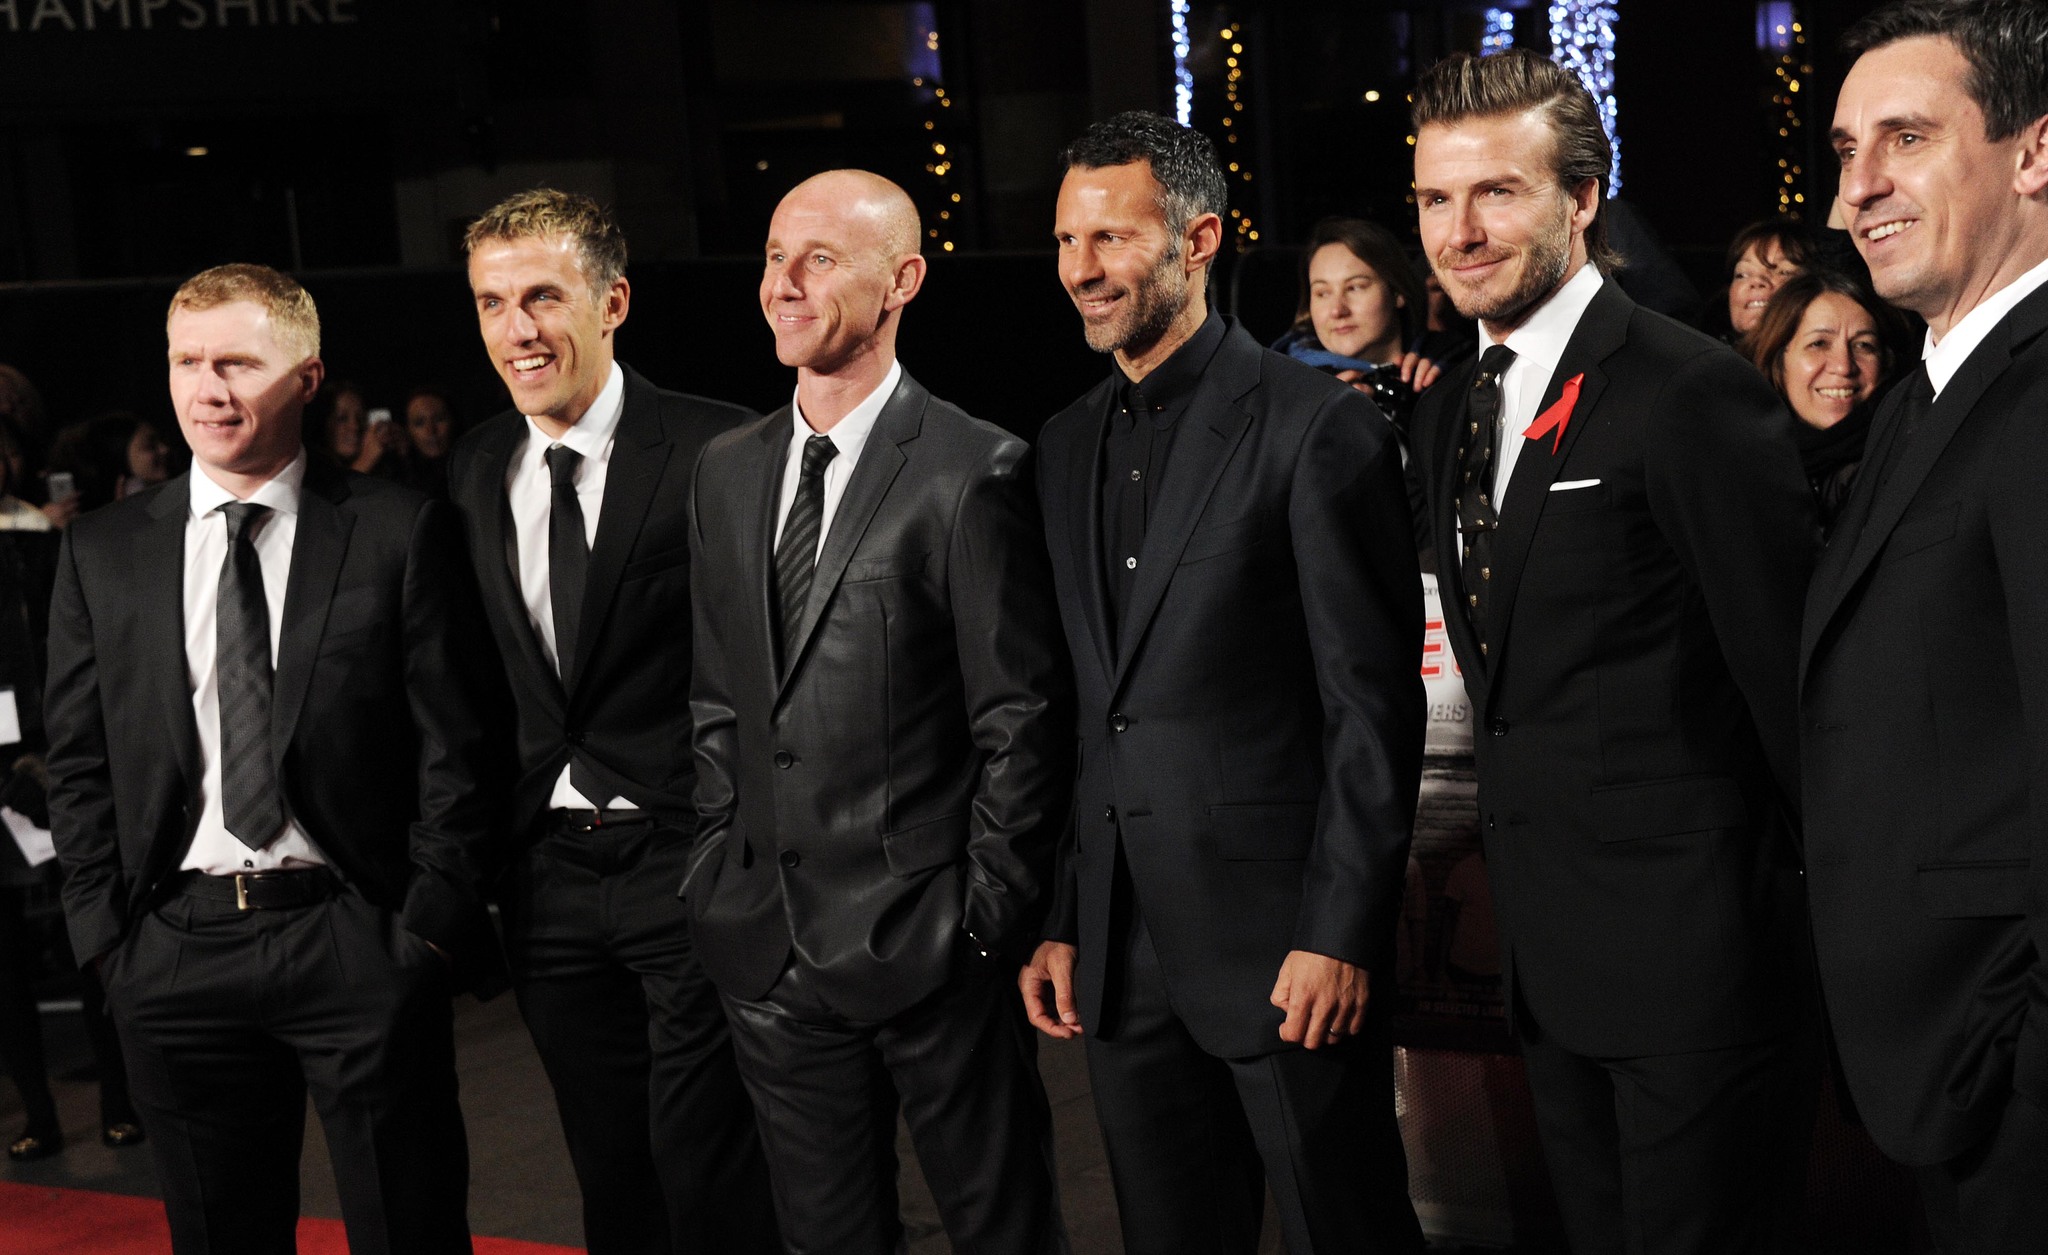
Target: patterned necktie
(250,805)
(796,558)
(568,555)
(1478,452)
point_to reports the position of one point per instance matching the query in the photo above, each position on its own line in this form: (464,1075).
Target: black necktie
(1478,450)
(796,558)
(248,779)
(568,555)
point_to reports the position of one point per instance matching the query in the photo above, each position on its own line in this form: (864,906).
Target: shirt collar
(1945,357)
(590,435)
(1174,379)
(850,434)
(1542,339)
(280,492)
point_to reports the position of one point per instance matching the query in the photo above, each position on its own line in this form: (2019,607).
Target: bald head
(842,261)
(878,215)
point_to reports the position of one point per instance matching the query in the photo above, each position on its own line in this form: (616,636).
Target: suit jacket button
(1497,726)
(784,759)
(790,858)
(1109,814)
(1117,723)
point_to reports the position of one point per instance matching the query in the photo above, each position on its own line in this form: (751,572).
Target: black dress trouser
(1195,1140)
(231,1018)
(630,1031)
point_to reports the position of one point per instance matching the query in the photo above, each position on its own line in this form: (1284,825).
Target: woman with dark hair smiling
(1762,257)
(1827,344)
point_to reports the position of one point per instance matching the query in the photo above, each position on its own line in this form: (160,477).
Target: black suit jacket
(1256,733)
(1924,686)
(892,804)
(1634,709)
(374,726)
(627,721)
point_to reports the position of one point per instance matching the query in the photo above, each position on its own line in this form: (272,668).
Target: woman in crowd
(1362,309)
(341,432)
(430,426)
(1827,343)
(111,457)
(1761,258)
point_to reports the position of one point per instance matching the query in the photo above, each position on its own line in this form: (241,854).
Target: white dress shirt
(1539,346)
(1946,356)
(530,488)
(849,435)
(215,850)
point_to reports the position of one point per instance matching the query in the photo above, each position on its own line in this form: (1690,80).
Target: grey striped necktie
(250,805)
(796,558)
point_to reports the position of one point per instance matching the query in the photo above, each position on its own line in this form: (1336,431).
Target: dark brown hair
(1780,321)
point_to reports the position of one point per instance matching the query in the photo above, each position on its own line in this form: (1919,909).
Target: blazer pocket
(921,847)
(1662,808)
(1980,889)
(1593,496)
(888,567)
(1213,542)
(1924,532)
(1263,833)
(656,563)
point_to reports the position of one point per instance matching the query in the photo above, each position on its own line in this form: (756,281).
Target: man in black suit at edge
(883,757)
(577,506)
(1924,667)
(266,787)
(1235,564)
(1623,537)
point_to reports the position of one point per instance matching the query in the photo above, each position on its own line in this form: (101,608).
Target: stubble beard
(1546,262)
(1153,306)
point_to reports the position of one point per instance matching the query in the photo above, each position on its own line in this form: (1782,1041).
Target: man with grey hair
(1236,575)
(1623,536)
(1925,681)
(577,503)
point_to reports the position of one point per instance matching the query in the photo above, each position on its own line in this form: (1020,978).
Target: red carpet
(41,1220)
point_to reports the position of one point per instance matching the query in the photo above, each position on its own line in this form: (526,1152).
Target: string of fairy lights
(1236,157)
(1582,41)
(940,167)
(1788,72)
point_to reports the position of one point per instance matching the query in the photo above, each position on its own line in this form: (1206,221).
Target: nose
(1864,181)
(782,282)
(519,325)
(1080,266)
(1843,361)
(1466,233)
(212,389)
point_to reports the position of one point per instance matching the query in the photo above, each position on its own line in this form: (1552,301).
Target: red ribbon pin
(1557,415)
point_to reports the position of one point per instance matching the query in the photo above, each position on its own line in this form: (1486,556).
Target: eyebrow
(1909,122)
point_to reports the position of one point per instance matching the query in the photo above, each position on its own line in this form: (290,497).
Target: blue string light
(1500,32)
(1582,40)
(1183,77)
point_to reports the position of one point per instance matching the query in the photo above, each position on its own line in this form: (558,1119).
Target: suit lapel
(880,459)
(1602,330)
(1084,521)
(640,451)
(161,576)
(1881,506)
(758,565)
(1449,437)
(317,552)
(1212,428)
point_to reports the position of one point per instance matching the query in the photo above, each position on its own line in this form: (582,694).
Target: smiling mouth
(1886,230)
(523,365)
(1837,394)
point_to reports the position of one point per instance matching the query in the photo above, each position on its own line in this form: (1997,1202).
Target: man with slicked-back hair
(1623,536)
(883,760)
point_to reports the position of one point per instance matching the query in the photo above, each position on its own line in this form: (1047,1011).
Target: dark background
(349,141)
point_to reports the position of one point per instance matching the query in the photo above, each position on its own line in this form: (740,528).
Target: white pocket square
(1568,484)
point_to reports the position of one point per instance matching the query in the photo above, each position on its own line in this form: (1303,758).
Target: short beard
(1547,261)
(1154,305)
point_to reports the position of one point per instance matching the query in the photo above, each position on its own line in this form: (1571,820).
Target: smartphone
(379,415)
(62,486)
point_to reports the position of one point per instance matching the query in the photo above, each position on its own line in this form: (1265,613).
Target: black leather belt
(566,819)
(261,891)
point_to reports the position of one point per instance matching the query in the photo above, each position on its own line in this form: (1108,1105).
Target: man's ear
(312,373)
(1585,203)
(2030,172)
(1204,239)
(909,278)
(618,299)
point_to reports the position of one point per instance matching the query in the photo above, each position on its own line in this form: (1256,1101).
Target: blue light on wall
(1774,26)
(1183,77)
(1500,32)
(1582,40)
